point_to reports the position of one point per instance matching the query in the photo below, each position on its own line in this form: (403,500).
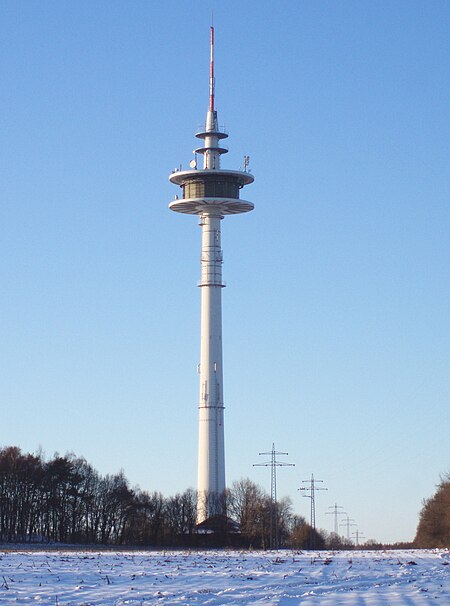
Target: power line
(273,464)
(312,488)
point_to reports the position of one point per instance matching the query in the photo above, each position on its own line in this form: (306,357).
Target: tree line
(433,529)
(65,500)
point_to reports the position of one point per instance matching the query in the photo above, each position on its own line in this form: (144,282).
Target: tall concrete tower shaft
(211,193)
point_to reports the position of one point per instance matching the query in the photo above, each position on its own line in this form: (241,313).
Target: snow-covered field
(284,578)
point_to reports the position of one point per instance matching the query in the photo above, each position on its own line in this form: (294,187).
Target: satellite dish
(193,164)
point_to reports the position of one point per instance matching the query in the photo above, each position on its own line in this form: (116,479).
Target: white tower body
(211,193)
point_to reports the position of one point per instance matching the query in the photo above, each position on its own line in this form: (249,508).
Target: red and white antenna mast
(211,71)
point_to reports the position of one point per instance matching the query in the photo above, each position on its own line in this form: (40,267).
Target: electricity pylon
(336,513)
(312,488)
(358,535)
(273,464)
(348,523)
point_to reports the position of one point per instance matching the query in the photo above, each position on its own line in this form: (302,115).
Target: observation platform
(211,191)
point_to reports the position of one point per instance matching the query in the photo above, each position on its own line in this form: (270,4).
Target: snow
(214,578)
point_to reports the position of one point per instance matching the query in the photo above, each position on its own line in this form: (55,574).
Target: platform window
(194,189)
(210,189)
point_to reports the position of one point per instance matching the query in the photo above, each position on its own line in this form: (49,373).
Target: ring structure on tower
(209,191)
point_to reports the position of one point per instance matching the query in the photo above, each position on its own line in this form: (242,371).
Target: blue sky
(336,314)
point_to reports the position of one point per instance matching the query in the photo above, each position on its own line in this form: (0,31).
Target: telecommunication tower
(211,193)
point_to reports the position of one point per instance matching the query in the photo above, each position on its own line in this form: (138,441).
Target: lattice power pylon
(273,464)
(312,488)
